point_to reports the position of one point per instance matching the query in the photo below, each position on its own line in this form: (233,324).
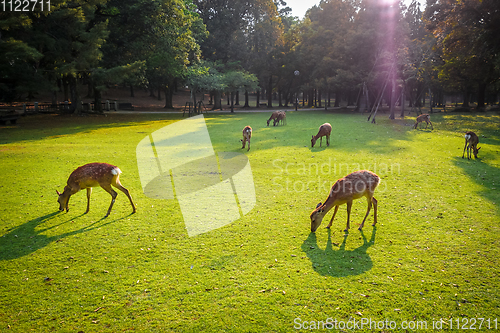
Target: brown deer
(471,141)
(345,190)
(93,175)
(423,117)
(281,117)
(247,135)
(274,115)
(324,130)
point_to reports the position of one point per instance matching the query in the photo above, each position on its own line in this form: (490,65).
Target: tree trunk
(481,93)
(246,100)
(169,93)
(237,98)
(64,83)
(402,115)
(431,101)
(195,107)
(232,102)
(97,101)
(217,101)
(465,103)
(337,99)
(76,102)
(393,100)
(270,92)
(258,99)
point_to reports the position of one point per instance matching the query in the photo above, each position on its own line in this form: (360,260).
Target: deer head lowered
(324,130)
(471,141)
(93,175)
(353,186)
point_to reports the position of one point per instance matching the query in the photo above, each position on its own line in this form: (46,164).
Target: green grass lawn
(433,256)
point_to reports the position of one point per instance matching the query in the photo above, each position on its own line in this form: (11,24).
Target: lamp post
(296,73)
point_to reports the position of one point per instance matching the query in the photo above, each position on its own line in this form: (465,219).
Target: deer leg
(349,205)
(375,203)
(367,212)
(119,186)
(248,145)
(320,141)
(431,125)
(107,188)
(89,192)
(331,221)
(244,142)
(328,141)
(464,148)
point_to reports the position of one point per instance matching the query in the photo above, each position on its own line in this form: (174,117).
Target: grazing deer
(281,117)
(353,186)
(274,115)
(471,141)
(93,175)
(324,130)
(423,117)
(247,134)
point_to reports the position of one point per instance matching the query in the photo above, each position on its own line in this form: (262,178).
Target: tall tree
(468,41)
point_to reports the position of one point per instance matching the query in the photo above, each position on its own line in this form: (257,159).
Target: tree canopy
(340,48)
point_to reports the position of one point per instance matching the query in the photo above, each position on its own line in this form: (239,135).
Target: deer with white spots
(324,130)
(471,141)
(345,190)
(247,134)
(93,175)
(423,117)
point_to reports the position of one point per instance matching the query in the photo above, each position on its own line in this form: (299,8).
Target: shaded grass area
(433,254)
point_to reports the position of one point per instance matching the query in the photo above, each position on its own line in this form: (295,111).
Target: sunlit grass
(434,253)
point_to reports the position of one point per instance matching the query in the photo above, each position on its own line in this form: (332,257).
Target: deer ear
(318,205)
(478,148)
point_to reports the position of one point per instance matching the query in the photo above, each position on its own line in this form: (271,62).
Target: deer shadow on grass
(29,237)
(341,262)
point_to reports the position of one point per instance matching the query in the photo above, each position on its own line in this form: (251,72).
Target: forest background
(341,50)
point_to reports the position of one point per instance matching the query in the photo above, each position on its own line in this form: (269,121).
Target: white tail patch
(116,171)
(467,137)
